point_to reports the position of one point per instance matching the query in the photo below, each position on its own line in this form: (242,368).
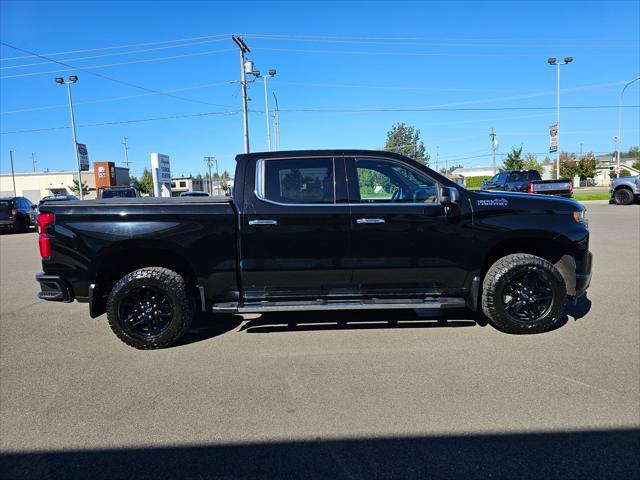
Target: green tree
(530,162)
(623,173)
(634,152)
(636,165)
(224,185)
(146,182)
(405,140)
(514,160)
(76,189)
(568,165)
(587,166)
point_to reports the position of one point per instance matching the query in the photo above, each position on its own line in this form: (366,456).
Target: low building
(473,172)
(37,185)
(191,184)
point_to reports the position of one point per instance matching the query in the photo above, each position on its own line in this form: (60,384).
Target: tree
(568,165)
(587,166)
(530,162)
(224,185)
(623,173)
(514,160)
(634,152)
(146,182)
(224,176)
(405,140)
(636,165)
(76,189)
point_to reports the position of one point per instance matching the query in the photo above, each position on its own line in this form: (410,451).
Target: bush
(475,183)
(623,173)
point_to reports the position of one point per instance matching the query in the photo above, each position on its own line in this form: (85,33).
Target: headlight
(581,216)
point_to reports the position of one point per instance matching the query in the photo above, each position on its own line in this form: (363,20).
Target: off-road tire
(497,278)
(173,286)
(623,196)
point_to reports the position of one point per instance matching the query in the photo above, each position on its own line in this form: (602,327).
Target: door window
(384,181)
(298,181)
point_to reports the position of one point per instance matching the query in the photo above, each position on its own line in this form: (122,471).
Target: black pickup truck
(528,181)
(316,230)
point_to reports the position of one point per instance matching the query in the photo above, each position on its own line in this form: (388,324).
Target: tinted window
(308,180)
(382,181)
(519,177)
(126,193)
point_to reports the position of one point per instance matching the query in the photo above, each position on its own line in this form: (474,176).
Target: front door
(295,229)
(404,241)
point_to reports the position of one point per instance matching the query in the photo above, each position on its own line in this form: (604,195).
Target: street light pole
(271,73)
(13,175)
(126,151)
(243,82)
(493,149)
(33,161)
(209,161)
(619,142)
(70,80)
(554,61)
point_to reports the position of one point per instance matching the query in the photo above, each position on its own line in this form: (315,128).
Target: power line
(125,97)
(113,47)
(106,77)
(234,112)
(132,62)
(437,109)
(115,54)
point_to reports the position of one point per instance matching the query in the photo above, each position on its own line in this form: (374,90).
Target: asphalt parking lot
(327,395)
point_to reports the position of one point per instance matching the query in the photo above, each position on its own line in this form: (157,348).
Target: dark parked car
(528,181)
(317,230)
(16,214)
(118,192)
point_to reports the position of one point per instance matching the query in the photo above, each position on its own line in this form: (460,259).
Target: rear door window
(298,181)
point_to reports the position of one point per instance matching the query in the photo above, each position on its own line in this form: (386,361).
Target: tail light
(530,187)
(14,212)
(44,220)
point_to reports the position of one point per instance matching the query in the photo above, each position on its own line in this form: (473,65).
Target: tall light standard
(270,74)
(619,138)
(554,61)
(13,175)
(61,81)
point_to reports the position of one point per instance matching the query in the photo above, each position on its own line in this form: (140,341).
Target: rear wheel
(523,293)
(623,196)
(150,308)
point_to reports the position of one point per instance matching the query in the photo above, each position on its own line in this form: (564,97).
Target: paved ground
(326,395)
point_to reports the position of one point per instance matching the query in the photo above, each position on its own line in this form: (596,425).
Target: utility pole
(437,158)
(33,161)
(209,161)
(276,123)
(493,148)
(243,81)
(13,175)
(271,73)
(580,148)
(126,152)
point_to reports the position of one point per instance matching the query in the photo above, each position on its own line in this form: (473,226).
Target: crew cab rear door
(295,229)
(404,241)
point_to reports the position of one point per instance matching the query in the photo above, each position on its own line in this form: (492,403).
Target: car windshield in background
(520,177)
(124,193)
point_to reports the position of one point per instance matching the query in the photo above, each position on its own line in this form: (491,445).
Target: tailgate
(5,209)
(551,187)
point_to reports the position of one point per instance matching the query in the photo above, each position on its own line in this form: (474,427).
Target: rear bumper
(54,288)
(583,276)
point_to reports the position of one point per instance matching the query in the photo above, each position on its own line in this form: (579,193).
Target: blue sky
(329,56)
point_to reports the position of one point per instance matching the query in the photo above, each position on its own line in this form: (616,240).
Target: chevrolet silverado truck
(316,230)
(528,181)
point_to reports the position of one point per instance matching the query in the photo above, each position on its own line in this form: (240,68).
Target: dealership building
(37,185)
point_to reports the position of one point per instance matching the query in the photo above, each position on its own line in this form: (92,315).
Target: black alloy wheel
(146,311)
(527,296)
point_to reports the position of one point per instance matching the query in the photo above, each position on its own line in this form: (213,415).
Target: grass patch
(591,196)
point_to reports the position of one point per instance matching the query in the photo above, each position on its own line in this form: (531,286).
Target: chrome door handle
(257,223)
(369,220)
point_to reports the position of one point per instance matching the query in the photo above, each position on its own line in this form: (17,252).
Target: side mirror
(484,182)
(449,195)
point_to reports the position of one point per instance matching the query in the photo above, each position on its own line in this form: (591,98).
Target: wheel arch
(126,257)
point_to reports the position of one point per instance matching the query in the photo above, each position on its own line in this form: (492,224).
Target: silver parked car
(625,190)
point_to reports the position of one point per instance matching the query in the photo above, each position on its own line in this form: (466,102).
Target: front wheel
(522,293)
(623,196)
(150,308)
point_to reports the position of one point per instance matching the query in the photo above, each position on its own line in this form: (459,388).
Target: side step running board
(368,304)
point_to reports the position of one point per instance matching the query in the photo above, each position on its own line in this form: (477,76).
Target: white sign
(83,157)
(161,173)
(553,138)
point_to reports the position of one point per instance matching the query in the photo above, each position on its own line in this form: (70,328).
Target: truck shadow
(208,325)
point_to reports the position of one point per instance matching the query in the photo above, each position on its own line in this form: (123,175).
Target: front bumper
(54,288)
(583,276)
